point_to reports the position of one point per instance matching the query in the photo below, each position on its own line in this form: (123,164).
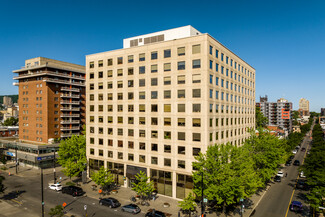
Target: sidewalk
(124,194)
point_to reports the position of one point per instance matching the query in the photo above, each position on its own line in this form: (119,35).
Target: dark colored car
(277,178)
(291,157)
(296,163)
(110,202)
(155,214)
(296,206)
(131,208)
(303,149)
(72,190)
(301,184)
(288,163)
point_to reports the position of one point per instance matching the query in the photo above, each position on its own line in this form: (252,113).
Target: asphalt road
(276,200)
(29,198)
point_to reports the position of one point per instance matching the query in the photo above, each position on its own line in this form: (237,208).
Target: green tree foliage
(188,204)
(142,186)
(10,122)
(72,155)
(314,169)
(1,185)
(295,116)
(57,211)
(261,120)
(293,140)
(103,177)
(13,97)
(3,159)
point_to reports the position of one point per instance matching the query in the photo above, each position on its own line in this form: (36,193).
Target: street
(277,199)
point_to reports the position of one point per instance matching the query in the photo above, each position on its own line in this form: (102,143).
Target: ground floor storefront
(167,183)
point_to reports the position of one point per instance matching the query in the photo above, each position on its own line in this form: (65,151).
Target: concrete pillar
(174,184)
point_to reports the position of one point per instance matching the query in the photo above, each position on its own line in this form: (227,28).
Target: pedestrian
(286,174)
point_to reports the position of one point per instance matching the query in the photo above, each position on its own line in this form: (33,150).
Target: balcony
(70,115)
(70,89)
(70,109)
(44,73)
(69,134)
(63,95)
(62,81)
(69,102)
(70,122)
(70,128)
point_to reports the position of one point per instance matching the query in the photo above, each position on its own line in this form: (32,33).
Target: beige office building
(162,99)
(304,107)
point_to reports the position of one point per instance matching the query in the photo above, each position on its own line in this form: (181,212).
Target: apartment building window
(167,94)
(92,141)
(120,72)
(167,135)
(120,60)
(100,108)
(181,51)
(100,86)
(92,119)
(154,108)
(211,64)
(91,86)
(167,80)
(181,107)
(109,85)
(227,58)
(167,107)
(100,63)
(110,154)
(142,57)
(181,122)
(130,132)
(109,131)
(130,157)
(167,53)
(154,81)
(119,96)
(217,53)
(142,120)
(120,120)
(109,73)
(181,93)
(100,141)
(181,79)
(181,136)
(91,76)
(120,132)
(92,151)
(154,68)
(196,64)
(142,108)
(196,78)
(196,93)
(109,108)
(142,69)
(196,122)
(142,158)
(154,55)
(109,142)
(196,137)
(181,164)
(196,49)
(100,130)
(167,67)
(120,155)
(154,121)
(130,71)
(167,148)
(130,59)
(91,65)
(167,121)
(196,107)
(130,108)
(142,95)
(217,94)
(109,119)
(130,144)
(130,95)
(154,160)
(154,94)
(142,82)
(109,62)
(92,108)
(167,162)
(181,65)
(154,147)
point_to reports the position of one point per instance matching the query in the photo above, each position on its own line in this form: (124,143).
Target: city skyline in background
(282,41)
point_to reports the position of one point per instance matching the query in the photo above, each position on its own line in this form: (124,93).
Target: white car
(56,187)
(294,151)
(302,174)
(280,173)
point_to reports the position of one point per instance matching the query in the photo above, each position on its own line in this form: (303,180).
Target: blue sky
(283,40)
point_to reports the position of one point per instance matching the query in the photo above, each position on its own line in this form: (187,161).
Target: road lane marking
(16,201)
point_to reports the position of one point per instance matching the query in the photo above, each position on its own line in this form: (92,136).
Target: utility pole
(54,166)
(16,160)
(42,192)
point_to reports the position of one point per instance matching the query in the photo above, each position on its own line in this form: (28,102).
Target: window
(167,67)
(217,94)
(130,157)
(196,107)
(181,51)
(130,95)
(142,146)
(181,65)
(119,96)
(196,93)
(130,71)
(181,79)
(120,120)
(130,120)
(154,134)
(120,132)
(211,49)
(167,121)
(92,151)
(109,131)
(91,65)
(154,68)
(142,120)
(167,107)
(217,53)
(167,135)
(109,73)
(142,108)
(120,72)
(154,108)
(154,147)
(196,49)
(154,81)
(154,94)
(154,160)
(181,93)
(181,122)
(142,95)
(167,149)
(167,94)
(196,64)
(130,144)
(154,121)
(142,82)
(196,122)
(181,164)
(109,85)
(142,69)
(110,154)
(211,93)
(196,78)
(167,162)
(154,55)
(91,86)
(211,78)
(211,64)
(120,155)
(120,60)
(142,57)
(120,84)
(130,59)
(142,158)
(167,53)
(109,62)
(100,74)
(196,137)
(167,80)
(130,108)
(181,107)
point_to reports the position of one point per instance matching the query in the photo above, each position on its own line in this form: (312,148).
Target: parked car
(288,163)
(280,173)
(72,190)
(277,178)
(301,184)
(296,163)
(155,213)
(296,206)
(291,157)
(55,187)
(110,202)
(294,151)
(302,174)
(131,208)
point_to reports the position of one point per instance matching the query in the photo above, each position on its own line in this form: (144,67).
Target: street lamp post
(54,173)
(202,202)
(16,159)
(42,194)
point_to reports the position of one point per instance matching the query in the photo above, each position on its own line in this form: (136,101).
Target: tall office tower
(278,113)
(7,101)
(304,107)
(166,96)
(51,99)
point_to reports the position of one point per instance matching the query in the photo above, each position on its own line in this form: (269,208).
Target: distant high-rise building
(161,100)
(278,113)
(303,107)
(322,112)
(51,99)
(7,101)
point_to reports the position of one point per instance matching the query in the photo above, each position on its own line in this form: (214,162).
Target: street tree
(188,205)
(10,122)
(57,211)
(103,177)
(261,120)
(72,155)
(142,185)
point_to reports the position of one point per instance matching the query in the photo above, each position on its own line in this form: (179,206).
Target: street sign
(205,200)
(85,207)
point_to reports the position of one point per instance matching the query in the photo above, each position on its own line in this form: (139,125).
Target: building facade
(7,101)
(51,100)
(278,113)
(304,107)
(162,99)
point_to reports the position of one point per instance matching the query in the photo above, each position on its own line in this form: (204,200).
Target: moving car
(110,202)
(296,163)
(280,173)
(131,208)
(277,178)
(55,187)
(155,213)
(296,206)
(303,149)
(72,190)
